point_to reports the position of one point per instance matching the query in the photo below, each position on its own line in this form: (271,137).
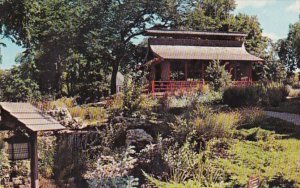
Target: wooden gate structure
(27,117)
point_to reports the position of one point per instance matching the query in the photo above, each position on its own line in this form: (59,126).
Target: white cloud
(294,7)
(272,36)
(253,3)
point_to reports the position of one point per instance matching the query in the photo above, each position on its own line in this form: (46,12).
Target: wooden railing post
(152,87)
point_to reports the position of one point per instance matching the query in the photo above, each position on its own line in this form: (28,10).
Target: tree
(16,88)
(114,24)
(99,32)
(255,43)
(289,49)
(217,15)
(272,69)
(208,15)
(217,76)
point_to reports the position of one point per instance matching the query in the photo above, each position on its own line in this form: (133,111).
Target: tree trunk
(113,82)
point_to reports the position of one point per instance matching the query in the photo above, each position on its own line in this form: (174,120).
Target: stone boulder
(63,116)
(138,138)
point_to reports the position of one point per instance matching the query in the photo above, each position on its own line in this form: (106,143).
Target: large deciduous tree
(114,24)
(217,15)
(289,48)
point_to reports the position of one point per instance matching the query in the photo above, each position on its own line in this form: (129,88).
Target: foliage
(263,159)
(148,102)
(204,16)
(90,115)
(16,87)
(289,48)
(192,169)
(112,25)
(290,106)
(241,96)
(115,104)
(217,76)
(251,117)
(4,162)
(132,96)
(271,94)
(46,147)
(272,70)
(203,122)
(113,171)
(76,48)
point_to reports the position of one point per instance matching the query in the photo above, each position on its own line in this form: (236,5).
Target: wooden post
(34,160)
(152,87)
(202,71)
(235,76)
(185,70)
(251,67)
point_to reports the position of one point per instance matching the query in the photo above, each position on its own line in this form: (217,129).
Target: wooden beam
(34,160)
(202,70)
(185,70)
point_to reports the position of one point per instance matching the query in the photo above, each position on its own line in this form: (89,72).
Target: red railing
(172,86)
(243,83)
(186,86)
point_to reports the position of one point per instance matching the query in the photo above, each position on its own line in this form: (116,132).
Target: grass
(290,106)
(264,147)
(274,157)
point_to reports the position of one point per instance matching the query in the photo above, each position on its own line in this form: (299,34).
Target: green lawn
(270,150)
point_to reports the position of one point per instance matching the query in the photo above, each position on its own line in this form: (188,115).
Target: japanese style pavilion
(178,59)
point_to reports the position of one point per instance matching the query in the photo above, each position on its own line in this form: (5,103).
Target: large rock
(64,117)
(138,137)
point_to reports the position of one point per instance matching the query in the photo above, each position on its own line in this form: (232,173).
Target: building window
(194,70)
(177,71)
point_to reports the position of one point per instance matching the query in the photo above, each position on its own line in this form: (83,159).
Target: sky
(275,16)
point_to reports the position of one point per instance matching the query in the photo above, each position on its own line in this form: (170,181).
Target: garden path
(289,117)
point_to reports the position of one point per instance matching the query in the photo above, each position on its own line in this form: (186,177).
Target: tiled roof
(154,32)
(31,117)
(194,42)
(202,53)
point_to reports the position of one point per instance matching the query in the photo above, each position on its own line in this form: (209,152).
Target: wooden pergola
(29,118)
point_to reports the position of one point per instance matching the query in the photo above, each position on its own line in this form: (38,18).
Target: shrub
(147,102)
(217,125)
(241,96)
(4,162)
(115,103)
(205,123)
(268,95)
(217,76)
(113,171)
(95,113)
(77,111)
(191,169)
(251,117)
(63,102)
(273,94)
(132,96)
(46,156)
